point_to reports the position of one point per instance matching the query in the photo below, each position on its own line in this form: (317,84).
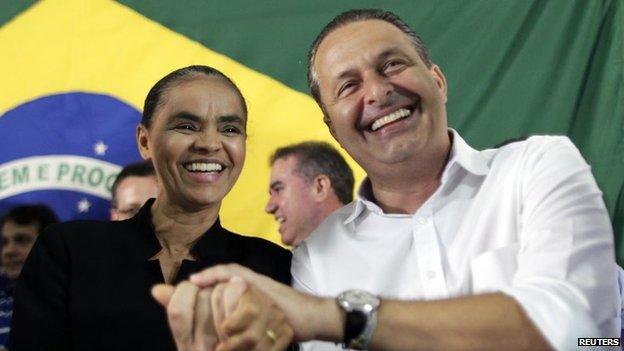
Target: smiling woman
(86,285)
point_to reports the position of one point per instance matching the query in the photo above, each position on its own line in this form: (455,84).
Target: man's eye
(393,65)
(129,211)
(346,88)
(232,130)
(22,239)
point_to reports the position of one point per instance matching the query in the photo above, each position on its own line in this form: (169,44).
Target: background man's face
(384,104)
(291,201)
(17,240)
(131,194)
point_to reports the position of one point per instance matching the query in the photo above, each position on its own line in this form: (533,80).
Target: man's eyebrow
(275,184)
(389,52)
(350,72)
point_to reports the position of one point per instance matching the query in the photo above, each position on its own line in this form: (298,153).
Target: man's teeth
(390,118)
(203,167)
(280,220)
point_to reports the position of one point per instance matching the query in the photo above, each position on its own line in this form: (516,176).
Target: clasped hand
(231,315)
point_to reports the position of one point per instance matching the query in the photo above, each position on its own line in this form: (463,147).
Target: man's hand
(231,316)
(311,317)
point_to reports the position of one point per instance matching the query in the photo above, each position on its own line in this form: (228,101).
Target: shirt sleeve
(303,280)
(567,277)
(40,319)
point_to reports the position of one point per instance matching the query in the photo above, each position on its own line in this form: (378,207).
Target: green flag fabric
(514,68)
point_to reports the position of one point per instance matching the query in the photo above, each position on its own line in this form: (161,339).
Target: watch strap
(355,323)
(361,341)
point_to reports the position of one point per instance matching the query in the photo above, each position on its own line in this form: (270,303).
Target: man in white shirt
(451,248)
(309,181)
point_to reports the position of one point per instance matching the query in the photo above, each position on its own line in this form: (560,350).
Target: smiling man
(450,248)
(19,229)
(309,181)
(135,184)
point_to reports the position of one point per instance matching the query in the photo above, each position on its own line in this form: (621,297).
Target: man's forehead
(135,179)
(285,165)
(11,227)
(343,40)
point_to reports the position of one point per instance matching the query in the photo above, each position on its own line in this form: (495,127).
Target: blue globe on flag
(65,151)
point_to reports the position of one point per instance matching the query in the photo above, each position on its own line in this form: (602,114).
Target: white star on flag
(100,148)
(83,205)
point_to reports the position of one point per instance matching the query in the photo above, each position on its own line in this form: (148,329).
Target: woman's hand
(310,317)
(232,315)
(189,314)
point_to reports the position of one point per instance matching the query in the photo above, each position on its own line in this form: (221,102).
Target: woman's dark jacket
(86,284)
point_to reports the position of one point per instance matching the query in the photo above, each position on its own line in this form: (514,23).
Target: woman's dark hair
(155,96)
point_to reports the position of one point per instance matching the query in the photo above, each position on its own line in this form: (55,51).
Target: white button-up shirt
(527,220)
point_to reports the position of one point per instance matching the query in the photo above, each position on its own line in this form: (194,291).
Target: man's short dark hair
(137,169)
(358,15)
(39,214)
(316,157)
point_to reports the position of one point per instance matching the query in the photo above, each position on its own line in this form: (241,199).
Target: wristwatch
(361,317)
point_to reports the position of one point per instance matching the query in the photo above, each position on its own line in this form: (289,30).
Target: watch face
(358,300)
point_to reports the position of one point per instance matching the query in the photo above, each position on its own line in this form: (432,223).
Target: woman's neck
(177,228)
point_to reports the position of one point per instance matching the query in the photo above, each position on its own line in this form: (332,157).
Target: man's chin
(11,274)
(288,239)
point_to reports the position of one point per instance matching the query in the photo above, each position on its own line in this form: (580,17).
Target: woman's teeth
(203,167)
(402,113)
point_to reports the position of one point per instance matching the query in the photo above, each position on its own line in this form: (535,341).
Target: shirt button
(431,275)
(421,220)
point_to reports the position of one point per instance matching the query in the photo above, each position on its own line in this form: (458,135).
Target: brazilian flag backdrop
(75,73)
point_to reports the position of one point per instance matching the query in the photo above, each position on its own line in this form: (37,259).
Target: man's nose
(270,206)
(8,248)
(377,89)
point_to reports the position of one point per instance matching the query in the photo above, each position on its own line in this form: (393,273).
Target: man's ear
(142,138)
(321,187)
(440,79)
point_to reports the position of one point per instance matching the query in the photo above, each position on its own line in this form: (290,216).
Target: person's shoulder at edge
(532,147)
(265,249)
(258,243)
(322,235)
(88,229)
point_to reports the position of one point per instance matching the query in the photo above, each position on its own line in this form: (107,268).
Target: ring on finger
(271,334)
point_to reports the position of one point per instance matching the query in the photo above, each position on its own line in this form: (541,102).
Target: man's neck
(408,186)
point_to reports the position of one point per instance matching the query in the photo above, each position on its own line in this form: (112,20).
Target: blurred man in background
(20,227)
(135,184)
(309,181)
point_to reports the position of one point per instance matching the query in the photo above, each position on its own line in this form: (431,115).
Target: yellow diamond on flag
(103,47)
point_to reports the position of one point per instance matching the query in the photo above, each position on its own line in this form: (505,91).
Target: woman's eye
(186,127)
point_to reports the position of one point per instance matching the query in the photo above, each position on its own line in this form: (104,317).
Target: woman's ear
(142,138)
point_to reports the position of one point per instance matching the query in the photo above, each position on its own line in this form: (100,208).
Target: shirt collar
(465,156)
(217,244)
(461,154)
